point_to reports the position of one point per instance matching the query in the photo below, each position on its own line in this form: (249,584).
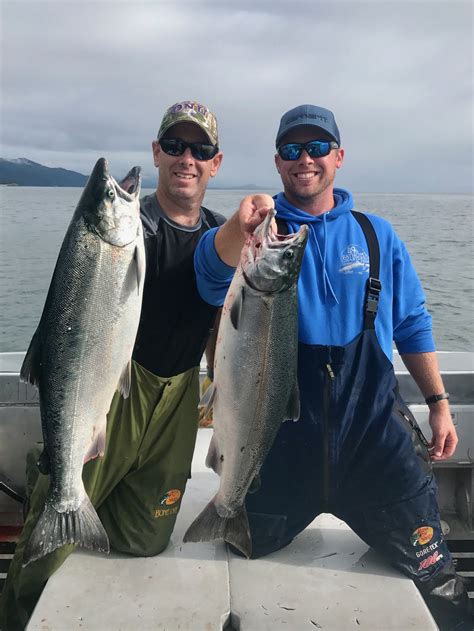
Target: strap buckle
(375,285)
(374,288)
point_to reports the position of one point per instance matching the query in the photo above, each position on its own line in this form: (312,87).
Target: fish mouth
(271,262)
(265,234)
(129,187)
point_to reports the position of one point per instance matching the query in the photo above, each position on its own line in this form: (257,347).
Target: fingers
(261,200)
(253,209)
(445,439)
(205,419)
(443,446)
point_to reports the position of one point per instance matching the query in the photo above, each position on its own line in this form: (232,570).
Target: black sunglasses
(314,148)
(199,150)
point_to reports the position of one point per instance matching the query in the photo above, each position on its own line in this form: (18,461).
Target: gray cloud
(83,79)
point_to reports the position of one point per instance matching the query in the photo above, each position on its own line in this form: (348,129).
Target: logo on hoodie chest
(354,260)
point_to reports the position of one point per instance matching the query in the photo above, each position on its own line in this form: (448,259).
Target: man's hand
(445,438)
(205,420)
(252,211)
(231,236)
(424,369)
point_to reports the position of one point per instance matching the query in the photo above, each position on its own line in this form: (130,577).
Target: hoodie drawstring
(295,217)
(322,257)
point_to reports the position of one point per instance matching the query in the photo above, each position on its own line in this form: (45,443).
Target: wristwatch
(434,398)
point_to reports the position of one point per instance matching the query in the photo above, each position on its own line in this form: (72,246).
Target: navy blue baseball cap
(309,115)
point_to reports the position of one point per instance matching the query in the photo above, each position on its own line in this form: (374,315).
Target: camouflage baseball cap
(190,112)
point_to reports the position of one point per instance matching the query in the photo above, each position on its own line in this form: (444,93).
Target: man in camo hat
(138,486)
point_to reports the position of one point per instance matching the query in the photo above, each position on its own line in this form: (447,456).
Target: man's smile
(307,175)
(185,176)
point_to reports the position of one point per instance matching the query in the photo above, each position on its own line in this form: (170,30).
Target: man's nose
(305,157)
(187,156)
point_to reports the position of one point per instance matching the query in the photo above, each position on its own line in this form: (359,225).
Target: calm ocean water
(437,229)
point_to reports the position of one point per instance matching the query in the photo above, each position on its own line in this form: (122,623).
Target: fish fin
(294,405)
(53,530)
(44,463)
(236,309)
(97,446)
(256,484)
(213,461)
(139,259)
(30,370)
(125,380)
(133,281)
(207,400)
(237,533)
(207,526)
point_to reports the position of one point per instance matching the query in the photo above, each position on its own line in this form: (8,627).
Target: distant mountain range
(24,172)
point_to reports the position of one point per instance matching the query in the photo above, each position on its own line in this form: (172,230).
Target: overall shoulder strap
(374,286)
(214,220)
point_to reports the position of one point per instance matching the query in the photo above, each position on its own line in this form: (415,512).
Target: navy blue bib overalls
(358,453)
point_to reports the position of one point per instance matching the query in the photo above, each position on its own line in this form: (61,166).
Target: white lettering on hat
(190,105)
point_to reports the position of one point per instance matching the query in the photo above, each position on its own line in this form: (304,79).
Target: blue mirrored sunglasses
(314,148)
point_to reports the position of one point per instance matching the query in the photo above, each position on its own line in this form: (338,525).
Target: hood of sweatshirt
(318,227)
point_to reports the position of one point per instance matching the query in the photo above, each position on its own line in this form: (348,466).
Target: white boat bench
(326,579)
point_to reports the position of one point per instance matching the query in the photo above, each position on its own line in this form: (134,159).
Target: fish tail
(207,526)
(210,525)
(237,533)
(81,527)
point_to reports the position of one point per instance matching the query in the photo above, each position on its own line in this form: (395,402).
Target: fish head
(110,208)
(271,262)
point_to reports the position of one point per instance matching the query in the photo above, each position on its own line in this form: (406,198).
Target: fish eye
(111,193)
(288,254)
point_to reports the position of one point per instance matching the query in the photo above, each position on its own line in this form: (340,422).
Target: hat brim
(291,128)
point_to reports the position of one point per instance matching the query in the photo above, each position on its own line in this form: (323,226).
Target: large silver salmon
(255,377)
(81,351)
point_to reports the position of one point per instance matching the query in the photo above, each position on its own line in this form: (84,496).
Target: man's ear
(277,162)
(155,145)
(216,163)
(340,158)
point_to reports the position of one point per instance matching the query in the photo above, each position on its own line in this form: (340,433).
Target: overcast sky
(80,80)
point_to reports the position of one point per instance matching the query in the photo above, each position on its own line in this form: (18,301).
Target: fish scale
(266,393)
(72,393)
(81,352)
(255,377)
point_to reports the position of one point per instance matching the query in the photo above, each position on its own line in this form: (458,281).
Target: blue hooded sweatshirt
(332,283)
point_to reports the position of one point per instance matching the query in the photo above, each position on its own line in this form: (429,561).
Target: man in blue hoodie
(356,451)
